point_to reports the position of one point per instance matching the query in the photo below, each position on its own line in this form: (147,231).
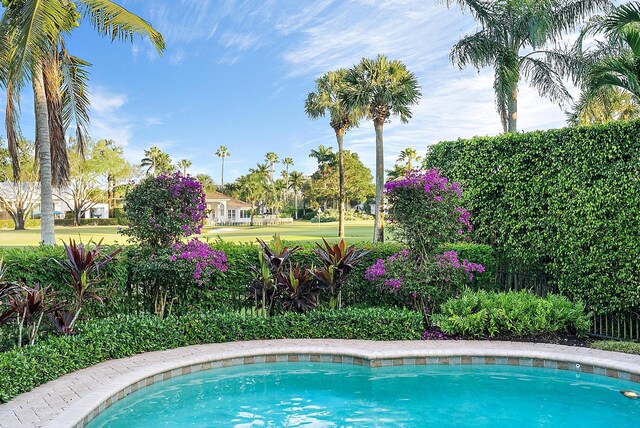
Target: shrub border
(372,354)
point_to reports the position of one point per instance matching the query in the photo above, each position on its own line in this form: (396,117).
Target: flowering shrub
(423,283)
(426,212)
(164,209)
(204,260)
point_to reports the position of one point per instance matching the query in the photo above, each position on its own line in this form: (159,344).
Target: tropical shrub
(164,209)
(100,340)
(513,314)
(425,211)
(562,202)
(423,283)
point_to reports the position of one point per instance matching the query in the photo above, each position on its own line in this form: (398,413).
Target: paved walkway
(74,399)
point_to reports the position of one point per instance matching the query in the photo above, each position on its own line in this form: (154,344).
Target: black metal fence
(620,326)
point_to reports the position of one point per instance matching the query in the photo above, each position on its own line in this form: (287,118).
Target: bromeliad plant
(83,265)
(337,261)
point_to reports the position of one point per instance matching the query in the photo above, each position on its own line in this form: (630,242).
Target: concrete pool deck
(76,398)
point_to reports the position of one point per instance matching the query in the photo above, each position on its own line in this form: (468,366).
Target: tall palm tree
(381,88)
(31,33)
(407,155)
(287,162)
(614,63)
(512,38)
(222,153)
(184,164)
(271,159)
(327,99)
(296,181)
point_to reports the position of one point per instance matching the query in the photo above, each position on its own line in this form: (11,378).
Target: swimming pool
(343,395)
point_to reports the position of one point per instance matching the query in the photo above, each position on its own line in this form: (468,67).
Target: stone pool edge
(75,399)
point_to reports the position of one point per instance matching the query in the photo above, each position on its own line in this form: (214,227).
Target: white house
(224,209)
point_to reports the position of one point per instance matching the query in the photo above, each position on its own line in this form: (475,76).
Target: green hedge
(513,314)
(227,290)
(564,202)
(30,223)
(25,368)
(89,222)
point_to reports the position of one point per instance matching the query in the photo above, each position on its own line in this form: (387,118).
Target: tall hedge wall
(563,201)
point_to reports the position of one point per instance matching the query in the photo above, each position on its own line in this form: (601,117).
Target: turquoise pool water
(343,395)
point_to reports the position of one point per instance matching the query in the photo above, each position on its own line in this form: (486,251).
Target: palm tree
(327,98)
(324,155)
(397,172)
(222,153)
(31,33)
(271,159)
(381,88)
(184,164)
(156,161)
(613,66)
(509,27)
(251,189)
(287,162)
(407,155)
(296,181)
(605,105)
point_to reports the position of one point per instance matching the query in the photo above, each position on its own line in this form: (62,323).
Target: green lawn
(356,231)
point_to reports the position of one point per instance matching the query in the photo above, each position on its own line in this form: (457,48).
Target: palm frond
(75,95)
(545,79)
(40,23)
(569,14)
(114,21)
(52,81)
(482,11)
(622,16)
(478,50)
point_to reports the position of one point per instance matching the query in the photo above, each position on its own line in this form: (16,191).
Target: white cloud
(108,118)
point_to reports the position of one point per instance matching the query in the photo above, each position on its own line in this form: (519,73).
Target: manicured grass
(618,346)
(356,231)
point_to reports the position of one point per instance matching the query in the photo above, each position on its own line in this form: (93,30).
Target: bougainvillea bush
(163,210)
(423,284)
(426,212)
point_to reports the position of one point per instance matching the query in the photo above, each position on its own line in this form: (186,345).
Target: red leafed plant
(338,261)
(84,264)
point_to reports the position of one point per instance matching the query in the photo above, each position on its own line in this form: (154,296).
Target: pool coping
(76,398)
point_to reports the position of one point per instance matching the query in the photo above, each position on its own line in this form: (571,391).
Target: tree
(207,182)
(381,88)
(271,158)
(19,197)
(287,162)
(184,164)
(603,106)
(252,188)
(296,181)
(118,170)
(510,27)
(327,99)
(407,155)
(397,172)
(31,32)
(156,161)
(323,155)
(612,65)
(222,153)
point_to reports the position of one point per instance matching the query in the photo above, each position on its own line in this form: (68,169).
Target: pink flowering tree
(163,211)
(425,213)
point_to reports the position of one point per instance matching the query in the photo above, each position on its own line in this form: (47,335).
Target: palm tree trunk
(47,234)
(295,201)
(341,198)
(222,176)
(512,111)
(378,234)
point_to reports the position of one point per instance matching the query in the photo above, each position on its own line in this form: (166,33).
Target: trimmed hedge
(227,290)
(89,222)
(30,223)
(23,369)
(564,202)
(519,314)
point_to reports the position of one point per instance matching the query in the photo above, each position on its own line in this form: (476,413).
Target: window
(231,214)
(245,213)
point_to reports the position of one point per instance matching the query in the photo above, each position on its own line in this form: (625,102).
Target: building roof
(213,196)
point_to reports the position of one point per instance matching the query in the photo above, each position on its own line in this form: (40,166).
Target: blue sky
(236,73)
